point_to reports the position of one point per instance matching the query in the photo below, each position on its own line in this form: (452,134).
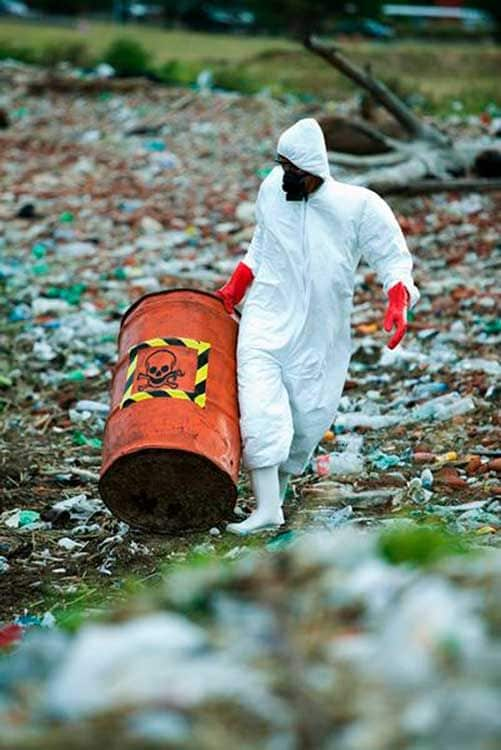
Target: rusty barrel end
(167,491)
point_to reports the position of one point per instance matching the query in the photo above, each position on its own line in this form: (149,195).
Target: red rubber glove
(396,313)
(234,289)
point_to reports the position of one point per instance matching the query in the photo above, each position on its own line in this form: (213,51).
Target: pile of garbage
(321,643)
(111,195)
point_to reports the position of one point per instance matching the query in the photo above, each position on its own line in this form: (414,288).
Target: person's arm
(234,290)
(383,246)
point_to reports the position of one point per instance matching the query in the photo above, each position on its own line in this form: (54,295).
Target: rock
(495,465)
(27,211)
(449,475)
(474,465)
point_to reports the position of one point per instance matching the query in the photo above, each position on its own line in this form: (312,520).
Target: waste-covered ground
(107,197)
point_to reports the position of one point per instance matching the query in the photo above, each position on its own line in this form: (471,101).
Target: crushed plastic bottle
(443,407)
(427,479)
(425,390)
(333,519)
(93,406)
(346,462)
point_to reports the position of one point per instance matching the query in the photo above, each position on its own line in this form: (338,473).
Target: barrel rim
(169,291)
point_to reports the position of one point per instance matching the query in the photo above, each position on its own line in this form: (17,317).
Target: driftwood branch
(381,93)
(439,186)
(366,162)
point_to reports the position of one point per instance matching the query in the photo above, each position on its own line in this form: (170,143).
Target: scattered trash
(18,519)
(384,461)
(169,201)
(332,519)
(427,479)
(77,508)
(349,461)
(69,544)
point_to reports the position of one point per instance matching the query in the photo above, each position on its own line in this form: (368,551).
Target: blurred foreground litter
(322,644)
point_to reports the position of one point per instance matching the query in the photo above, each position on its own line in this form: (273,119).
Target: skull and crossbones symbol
(160,370)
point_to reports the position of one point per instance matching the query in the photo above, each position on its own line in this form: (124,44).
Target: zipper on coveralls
(303,249)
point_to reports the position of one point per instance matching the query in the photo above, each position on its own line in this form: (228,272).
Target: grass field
(439,73)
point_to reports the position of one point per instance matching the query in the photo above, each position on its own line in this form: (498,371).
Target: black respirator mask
(293,185)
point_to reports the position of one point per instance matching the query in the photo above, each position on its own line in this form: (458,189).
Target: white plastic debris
(69,544)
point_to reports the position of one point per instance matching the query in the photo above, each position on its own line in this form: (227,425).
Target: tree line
(296,17)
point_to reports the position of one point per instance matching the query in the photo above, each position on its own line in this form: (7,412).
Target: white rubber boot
(268,514)
(283,481)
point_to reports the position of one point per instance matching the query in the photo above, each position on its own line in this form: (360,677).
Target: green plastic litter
(75,375)
(282,540)
(38,250)
(80,439)
(28,516)
(410,316)
(381,460)
(66,217)
(39,269)
(71,294)
(493,326)
(120,274)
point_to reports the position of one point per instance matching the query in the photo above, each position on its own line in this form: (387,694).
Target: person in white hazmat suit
(294,341)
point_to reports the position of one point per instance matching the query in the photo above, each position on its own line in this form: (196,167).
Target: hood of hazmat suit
(294,343)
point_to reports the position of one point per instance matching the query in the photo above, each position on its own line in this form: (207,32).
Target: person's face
(310,181)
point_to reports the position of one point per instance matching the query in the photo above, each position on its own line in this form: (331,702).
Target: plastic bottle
(427,479)
(425,390)
(347,462)
(443,407)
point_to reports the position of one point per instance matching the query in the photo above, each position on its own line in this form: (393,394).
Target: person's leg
(266,427)
(309,429)
(283,481)
(265,413)
(268,513)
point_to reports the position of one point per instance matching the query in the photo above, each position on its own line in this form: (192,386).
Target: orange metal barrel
(172,443)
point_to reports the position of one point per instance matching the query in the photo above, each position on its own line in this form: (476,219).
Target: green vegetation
(420,545)
(434,77)
(162,45)
(128,57)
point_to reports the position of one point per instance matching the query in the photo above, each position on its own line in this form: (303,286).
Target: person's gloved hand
(396,313)
(234,289)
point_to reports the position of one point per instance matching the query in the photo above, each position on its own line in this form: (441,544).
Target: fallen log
(442,186)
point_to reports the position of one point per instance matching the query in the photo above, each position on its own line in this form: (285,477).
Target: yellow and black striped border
(198,396)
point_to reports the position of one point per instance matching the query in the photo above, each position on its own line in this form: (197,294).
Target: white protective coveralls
(294,343)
